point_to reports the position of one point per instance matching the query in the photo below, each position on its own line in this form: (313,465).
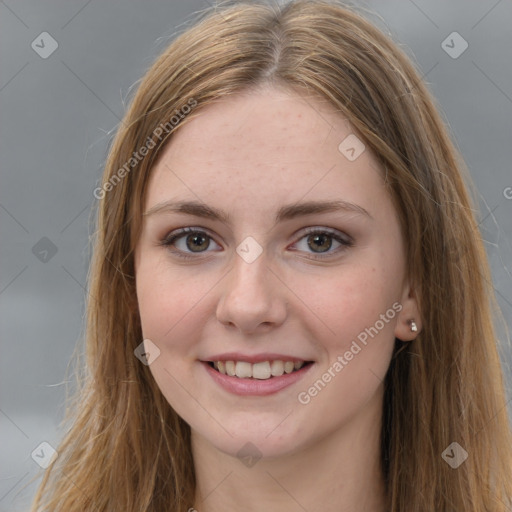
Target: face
(287,255)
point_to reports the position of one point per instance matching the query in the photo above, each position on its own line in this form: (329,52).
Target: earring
(414,327)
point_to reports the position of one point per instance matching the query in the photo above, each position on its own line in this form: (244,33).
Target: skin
(249,155)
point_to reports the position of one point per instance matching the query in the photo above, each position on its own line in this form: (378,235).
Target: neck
(339,472)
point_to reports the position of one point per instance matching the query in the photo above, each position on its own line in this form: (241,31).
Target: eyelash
(345,242)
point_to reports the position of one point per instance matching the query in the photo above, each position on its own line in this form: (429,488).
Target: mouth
(259,378)
(262,370)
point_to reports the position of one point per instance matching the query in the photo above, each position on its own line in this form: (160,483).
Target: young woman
(290,301)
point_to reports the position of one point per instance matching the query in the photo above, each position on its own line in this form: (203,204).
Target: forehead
(255,122)
(270,143)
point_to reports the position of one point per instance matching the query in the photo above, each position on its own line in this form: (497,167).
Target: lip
(255,358)
(256,387)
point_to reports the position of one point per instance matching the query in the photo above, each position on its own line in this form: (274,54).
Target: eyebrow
(286,212)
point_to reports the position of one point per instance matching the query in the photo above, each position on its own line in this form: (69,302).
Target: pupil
(198,241)
(319,242)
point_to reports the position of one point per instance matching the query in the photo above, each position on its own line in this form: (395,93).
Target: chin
(257,438)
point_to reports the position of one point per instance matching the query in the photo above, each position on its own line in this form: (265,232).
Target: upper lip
(254,358)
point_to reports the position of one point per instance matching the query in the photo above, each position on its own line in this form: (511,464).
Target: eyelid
(330,231)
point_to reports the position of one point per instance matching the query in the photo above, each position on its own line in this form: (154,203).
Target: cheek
(173,312)
(356,335)
(349,300)
(170,305)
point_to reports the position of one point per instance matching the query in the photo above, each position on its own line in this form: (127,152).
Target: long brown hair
(126,449)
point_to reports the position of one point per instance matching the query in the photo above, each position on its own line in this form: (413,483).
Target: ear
(409,313)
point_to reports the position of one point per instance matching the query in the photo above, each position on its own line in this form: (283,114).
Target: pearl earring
(414,327)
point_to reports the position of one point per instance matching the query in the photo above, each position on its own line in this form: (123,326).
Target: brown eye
(187,241)
(197,242)
(320,242)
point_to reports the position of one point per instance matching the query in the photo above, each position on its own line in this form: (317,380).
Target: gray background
(58,114)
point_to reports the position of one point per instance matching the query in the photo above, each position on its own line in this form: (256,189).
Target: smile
(258,378)
(263,370)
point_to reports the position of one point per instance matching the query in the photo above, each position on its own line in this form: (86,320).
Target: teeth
(262,371)
(230,368)
(288,367)
(243,369)
(277,368)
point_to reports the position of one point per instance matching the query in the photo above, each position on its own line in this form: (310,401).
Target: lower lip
(256,387)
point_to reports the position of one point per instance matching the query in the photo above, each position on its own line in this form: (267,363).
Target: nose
(253,298)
